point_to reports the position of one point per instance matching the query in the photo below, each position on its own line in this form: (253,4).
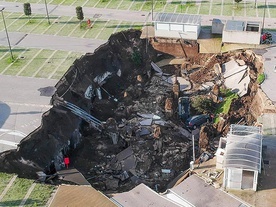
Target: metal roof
(177,18)
(196,192)
(243,148)
(80,195)
(142,195)
(234,25)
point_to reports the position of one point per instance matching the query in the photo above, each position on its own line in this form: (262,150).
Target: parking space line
(51,75)
(64,25)
(13,144)
(102,29)
(39,69)
(23,68)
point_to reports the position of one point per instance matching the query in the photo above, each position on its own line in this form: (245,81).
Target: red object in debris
(66,161)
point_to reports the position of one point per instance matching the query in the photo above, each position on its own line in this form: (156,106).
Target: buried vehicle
(195,121)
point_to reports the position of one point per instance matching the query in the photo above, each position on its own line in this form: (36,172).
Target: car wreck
(116,116)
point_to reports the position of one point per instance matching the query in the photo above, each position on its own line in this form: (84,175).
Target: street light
(47,11)
(151,10)
(1,9)
(264,17)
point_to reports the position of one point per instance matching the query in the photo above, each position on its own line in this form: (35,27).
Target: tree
(79,13)
(238,1)
(202,104)
(27,10)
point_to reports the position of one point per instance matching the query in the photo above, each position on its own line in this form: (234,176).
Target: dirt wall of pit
(176,47)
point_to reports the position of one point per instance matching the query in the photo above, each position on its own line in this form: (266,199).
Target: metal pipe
(151,10)
(47,12)
(264,17)
(7,32)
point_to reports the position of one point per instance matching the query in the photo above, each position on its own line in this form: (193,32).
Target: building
(243,32)
(242,157)
(172,25)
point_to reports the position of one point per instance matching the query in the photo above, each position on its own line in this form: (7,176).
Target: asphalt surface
(270,73)
(82,45)
(21,107)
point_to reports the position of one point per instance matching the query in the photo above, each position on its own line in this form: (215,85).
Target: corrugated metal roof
(243,148)
(177,18)
(71,195)
(142,195)
(234,25)
(195,191)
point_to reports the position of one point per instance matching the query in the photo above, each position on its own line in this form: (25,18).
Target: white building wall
(255,182)
(234,178)
(190,32)
(242,37)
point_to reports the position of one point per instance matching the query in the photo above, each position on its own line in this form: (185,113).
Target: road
(21,108)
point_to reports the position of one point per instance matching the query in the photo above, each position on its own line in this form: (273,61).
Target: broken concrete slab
(236,77)
(146,122)
(149,116)
(184,84)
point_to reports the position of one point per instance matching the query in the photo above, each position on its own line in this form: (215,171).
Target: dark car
(196,121)
(184,108)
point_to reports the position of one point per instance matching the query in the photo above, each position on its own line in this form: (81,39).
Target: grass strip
(17,192)
(40,195)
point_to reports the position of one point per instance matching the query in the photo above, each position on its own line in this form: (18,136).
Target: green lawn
(204,8)
(19,188)
(170,7)
(36,62)
(4,180)
(114,4)
(216,7)
(16,192)
(124,5)
(91,3)
(40,195)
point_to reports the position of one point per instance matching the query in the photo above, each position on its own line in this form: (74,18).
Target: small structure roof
(178,18)
(142,196)
(243,148)
(195,192)
(72,195)
(234,25)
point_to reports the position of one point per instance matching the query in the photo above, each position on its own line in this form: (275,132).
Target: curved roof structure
(243,148)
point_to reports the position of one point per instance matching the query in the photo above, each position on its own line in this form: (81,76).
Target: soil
(154,153)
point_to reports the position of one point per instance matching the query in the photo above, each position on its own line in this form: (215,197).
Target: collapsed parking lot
(130,130)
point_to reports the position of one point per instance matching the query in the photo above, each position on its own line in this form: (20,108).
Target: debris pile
(116,115)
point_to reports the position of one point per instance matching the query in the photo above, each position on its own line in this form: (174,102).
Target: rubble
(138,136)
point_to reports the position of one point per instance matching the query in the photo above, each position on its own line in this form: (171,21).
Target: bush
(203,105)
(261,78)
(79,12)
(27,10)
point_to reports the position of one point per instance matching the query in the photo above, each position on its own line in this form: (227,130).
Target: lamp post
(1,9)
(151,10)
(264,17)
(47,12)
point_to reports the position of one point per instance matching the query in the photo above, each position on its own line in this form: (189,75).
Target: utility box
(217,26)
